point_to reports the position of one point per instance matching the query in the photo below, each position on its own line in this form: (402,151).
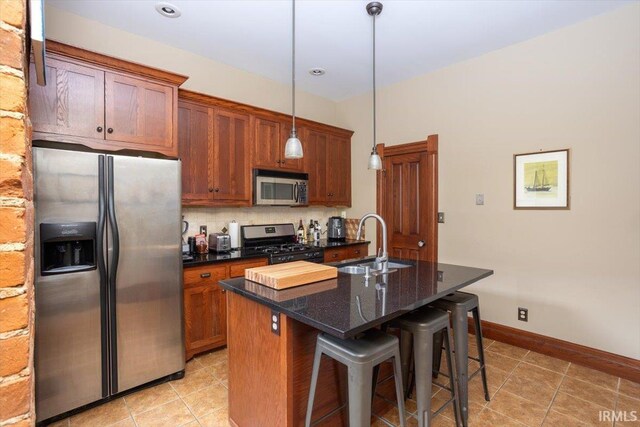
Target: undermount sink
(351,269)
(374,268)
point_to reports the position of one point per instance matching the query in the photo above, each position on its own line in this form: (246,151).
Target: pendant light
(375,162)
(293,147)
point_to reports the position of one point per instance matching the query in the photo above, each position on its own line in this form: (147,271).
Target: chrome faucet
(383,258)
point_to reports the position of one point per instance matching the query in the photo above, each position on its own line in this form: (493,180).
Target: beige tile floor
(527,389)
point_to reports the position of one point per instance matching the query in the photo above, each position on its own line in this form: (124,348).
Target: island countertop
(349,304)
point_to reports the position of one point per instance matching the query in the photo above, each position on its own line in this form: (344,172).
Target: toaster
(219,242)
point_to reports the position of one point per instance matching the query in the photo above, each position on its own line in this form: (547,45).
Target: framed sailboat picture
(541,180)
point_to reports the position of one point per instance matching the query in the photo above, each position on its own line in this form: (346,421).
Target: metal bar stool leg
(446,333)
(423,359)
(483,372)
(360,384)
(397,377)
(461,330)
(314,382)
(405,357)
(437,354)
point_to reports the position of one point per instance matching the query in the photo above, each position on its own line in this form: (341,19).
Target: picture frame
(541,180)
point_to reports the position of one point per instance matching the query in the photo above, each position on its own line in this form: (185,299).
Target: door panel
(149,272)
(72,102)
(231,156)
(138,111)
(194,144)
(407,192)
(68,318)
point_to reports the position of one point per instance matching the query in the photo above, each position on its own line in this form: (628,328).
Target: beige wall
(577,271)
(206,76)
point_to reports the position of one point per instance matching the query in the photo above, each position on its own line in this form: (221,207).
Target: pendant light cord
(374,83)
(293,66)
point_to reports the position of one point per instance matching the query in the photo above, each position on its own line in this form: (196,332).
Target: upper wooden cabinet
(269,140)
(104,103)
(231,169)
(221,142)
(327,160)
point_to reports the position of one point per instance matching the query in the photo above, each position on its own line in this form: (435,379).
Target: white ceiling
(413,37)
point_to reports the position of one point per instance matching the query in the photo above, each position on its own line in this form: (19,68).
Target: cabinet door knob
(357,251)
(224,291)
(283,161)
(205,275)
(210,190)
(421,243)
(335,255)
(278,161)
(216,190)
(110,130)
(99,129)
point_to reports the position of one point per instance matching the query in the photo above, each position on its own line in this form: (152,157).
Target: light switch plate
(441,217)
(479,199)
(203,229)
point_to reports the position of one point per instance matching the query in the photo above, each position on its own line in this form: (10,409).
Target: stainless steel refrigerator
(108,283)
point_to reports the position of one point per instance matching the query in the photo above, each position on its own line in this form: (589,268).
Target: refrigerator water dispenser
(67,248)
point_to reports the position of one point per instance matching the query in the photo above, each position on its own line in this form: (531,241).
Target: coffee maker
(336,230)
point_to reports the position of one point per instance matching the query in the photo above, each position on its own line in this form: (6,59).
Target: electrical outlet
(203,229)
(441,217)
(479,199)
(275,322)
(440,276)
(523,314)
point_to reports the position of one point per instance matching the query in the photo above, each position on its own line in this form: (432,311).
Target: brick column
(16,223)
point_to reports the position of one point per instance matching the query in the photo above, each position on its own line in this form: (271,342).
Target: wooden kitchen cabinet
(342,253)
(205,303)
(104,103)
(230,167)
(269,140)
(195,144)
(72,102)
(139,113)
(314,144)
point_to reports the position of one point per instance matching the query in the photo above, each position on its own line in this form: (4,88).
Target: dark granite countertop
(348,305)
(214,257)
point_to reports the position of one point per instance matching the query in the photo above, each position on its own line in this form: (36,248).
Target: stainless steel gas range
(278,243)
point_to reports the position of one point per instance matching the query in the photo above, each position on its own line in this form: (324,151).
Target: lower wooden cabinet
(346,252)
(205,304)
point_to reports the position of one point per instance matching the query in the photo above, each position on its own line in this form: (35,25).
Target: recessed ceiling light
(168,10)
(317,71)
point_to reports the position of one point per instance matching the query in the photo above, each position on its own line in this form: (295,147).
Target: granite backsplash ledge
(217,218)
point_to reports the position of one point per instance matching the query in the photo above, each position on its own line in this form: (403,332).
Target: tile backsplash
(217,218)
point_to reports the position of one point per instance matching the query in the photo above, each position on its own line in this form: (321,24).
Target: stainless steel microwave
(278,188)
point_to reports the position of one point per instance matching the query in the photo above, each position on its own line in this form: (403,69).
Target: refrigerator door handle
(113,270)
(102,270)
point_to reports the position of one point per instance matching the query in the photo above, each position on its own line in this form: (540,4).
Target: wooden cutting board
(283,276)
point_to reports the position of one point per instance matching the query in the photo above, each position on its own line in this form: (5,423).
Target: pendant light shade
(293,147)
(375,162)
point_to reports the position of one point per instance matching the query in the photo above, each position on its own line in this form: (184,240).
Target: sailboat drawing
(539,184)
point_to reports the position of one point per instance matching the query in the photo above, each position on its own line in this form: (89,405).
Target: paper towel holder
(234,234)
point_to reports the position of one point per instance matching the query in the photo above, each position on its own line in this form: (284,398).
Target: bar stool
(360,356)
(459,304)
(424,325)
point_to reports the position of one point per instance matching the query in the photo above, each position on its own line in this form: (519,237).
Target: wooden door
(339,171)
(205,313)
(231,168)
(266,144)
(139,112)
(195,142)
(290,164)
(72,102)
(314,161)
(408,199)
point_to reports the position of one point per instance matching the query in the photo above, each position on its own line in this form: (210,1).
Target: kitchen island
(272,336)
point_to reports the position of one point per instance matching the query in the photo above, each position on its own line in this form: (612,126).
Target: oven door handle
(295,192)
